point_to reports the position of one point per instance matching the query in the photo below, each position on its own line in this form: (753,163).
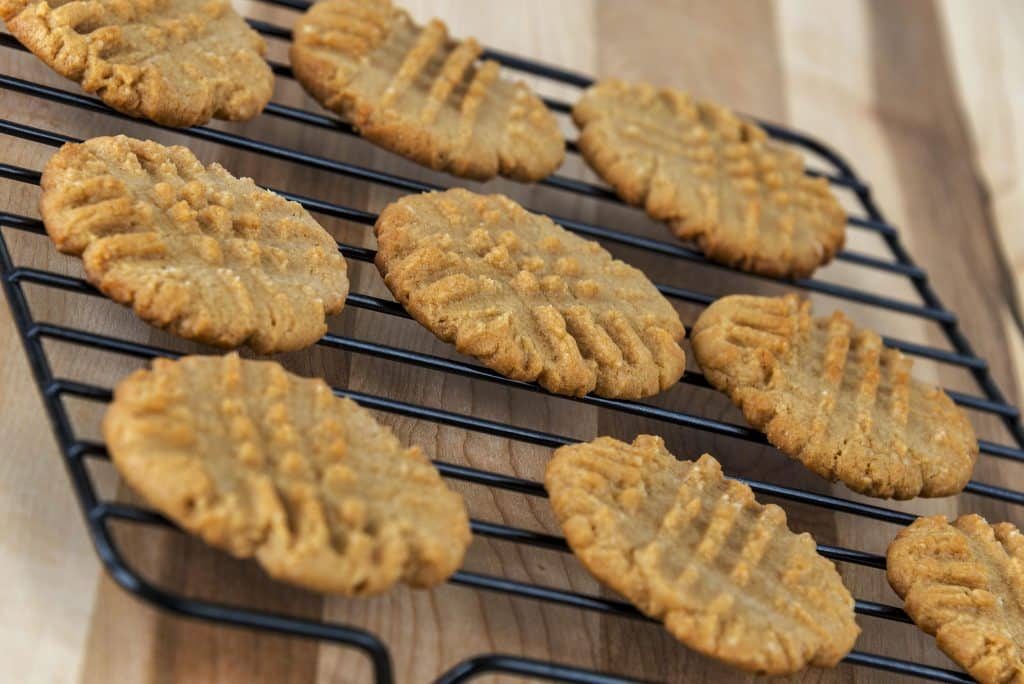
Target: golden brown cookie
(694,549)
(963,582)
(177,62)
(714,177)
(268,465)
(528,298)
(833,397)
(417,92)
(192,249)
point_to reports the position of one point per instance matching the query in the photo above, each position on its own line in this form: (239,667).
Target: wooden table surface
(923,98)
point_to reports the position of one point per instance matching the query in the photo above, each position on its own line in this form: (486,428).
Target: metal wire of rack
(99,513)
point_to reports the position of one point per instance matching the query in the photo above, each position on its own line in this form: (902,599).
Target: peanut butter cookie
(694,549)
(833,397)
(712,176)
(528,298)
(192,249)
(417,92)
(177,62)
(271,466)
(963,582)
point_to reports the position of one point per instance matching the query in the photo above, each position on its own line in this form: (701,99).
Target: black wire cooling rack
(99,513)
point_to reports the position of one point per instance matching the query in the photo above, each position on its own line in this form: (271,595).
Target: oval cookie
(528,298)
(417,92)
(834,397)
(715,178)
(271,466)
(176,62)
(192,249)
(694,549)
(963,582)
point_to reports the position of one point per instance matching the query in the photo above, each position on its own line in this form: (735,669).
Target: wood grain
(917,95)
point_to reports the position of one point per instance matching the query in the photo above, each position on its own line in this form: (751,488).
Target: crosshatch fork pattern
(100,513)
